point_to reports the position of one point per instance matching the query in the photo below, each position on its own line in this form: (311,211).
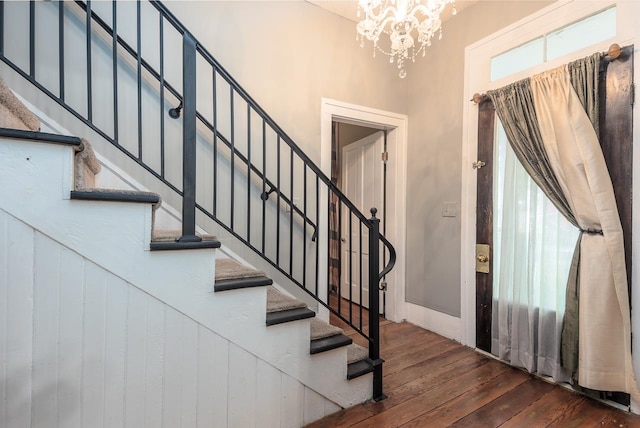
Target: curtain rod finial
(479,98)
(614,51)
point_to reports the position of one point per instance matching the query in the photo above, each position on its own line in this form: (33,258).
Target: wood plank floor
(435,382)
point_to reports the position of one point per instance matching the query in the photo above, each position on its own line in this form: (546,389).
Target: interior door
(363,184)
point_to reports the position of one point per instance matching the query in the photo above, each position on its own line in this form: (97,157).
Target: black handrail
(316,189)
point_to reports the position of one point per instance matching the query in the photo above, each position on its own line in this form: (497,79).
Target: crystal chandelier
(410,25)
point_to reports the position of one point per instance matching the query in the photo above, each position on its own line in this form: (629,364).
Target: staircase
(165,327)
(105,229)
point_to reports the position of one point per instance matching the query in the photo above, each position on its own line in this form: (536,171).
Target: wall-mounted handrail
(293,256)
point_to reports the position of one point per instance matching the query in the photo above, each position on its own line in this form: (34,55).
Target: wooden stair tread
(235,284)
(169,240)
(115,195)
(329,343)
(359,368)
(325,337)
(280,317)
(173,235)
(43,137)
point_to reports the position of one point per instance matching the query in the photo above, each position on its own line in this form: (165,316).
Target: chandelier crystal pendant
(409,24)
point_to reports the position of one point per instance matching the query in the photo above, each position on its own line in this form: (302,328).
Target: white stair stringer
(36,181)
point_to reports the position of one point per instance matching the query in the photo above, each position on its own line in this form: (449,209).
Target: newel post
(374,305)
(189,140)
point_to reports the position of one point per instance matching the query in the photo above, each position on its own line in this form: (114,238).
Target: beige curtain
(575,155)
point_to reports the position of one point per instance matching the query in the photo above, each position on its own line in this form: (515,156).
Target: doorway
(396,127)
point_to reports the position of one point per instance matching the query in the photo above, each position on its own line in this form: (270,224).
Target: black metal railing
(209,144)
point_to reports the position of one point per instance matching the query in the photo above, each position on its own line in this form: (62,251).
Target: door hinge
(385,157)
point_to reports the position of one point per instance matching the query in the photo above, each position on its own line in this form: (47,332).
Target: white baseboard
(437,322)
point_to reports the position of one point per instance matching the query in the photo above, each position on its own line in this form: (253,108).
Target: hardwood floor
(435,382)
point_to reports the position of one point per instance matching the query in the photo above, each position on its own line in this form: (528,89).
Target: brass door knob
(482,258)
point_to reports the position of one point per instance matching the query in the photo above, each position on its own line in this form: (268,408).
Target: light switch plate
(449,209)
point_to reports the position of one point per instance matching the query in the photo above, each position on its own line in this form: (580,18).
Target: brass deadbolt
(483,252)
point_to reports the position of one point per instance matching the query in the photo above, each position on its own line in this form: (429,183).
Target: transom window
(572,37)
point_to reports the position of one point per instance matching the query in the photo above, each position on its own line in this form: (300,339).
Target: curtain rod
(614,52)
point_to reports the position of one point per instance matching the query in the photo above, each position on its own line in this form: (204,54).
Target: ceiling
(349,8)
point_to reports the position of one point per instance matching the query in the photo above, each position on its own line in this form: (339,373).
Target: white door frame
(397,125)
(477,61)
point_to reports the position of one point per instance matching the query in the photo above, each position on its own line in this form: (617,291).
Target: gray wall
(290,54)
(435,106)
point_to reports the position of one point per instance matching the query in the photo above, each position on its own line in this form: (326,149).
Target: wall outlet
(449,209)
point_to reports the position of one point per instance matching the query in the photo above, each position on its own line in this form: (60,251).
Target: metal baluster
(317,271)
(351,266)
(215,141)
(338,213)
(361,264)
(291,214)
(233,154)
(32,39)
(264,182)
(248,172)
(114,47)
(60,46)
(278,204)
(161,28)
(3,27)
(139,71)
(89,71)
(304,229)
(329,226)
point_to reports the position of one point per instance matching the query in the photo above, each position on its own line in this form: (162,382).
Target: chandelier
(410,25)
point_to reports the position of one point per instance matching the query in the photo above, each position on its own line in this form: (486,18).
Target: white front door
(363,184)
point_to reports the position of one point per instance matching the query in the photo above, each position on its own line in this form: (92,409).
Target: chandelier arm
(370,14)
(382,25)
(414,21)
(431,13)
